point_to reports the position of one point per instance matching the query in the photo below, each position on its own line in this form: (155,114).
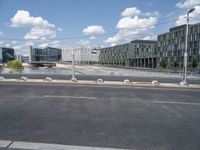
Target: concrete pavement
(110,117)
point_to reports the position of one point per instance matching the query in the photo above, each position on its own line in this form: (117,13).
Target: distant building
(116,55)
(6,54)
(46,54)
(142,53)
(82,55)
(138,53)
(171,45)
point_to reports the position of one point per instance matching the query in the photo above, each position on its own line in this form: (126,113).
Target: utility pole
(184,82)
(73,66)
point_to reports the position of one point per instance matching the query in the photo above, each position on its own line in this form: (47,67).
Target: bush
(163,64)
(15,64)
(194,63)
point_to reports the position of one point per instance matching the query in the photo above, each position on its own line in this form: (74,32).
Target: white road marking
(45,146)
(181,103)
(4,143)
(74,97)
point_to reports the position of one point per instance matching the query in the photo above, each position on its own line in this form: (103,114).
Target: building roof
(144,41)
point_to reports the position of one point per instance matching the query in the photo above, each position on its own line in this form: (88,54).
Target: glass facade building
(46,54)
(171,45)
(6,54)
(138,53)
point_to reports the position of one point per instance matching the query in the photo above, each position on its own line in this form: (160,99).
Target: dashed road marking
(173,102)
(74,97)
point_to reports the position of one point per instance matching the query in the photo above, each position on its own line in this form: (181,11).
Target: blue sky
(75,23)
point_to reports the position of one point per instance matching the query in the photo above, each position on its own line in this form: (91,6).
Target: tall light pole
(73,66)
(186,47)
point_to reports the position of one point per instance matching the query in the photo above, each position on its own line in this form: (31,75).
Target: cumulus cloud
(93,30)
(188,3)
(43,45)
(84,42)
(56,44)
(40,33)
(195,15)
(134,26)
(93,38)
(130,12)
(23,19)
(136,23)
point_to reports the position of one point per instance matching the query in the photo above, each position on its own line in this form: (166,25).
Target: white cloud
(14,42)
(188,3)
(43,45)
(135,27)
(130,12)
(7,45)
(56,44)
(40,33)
(195,15)
(136,23)
(93,30)
(93,38)
(1,43)
(84,42)
(23,19)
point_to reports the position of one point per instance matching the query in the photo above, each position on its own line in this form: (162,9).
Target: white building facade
(82,55)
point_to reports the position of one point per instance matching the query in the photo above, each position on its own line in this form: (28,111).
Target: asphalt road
(104,77)
(103,116)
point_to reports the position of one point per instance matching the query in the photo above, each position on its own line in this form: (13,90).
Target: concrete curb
(105,83)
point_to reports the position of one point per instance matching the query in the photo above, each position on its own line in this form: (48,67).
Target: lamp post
(73,67)
(186,47)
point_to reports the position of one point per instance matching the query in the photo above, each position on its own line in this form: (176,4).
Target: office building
(142,53)
(171,45)
(6,54)
(138,53)
(47,54)
(115,55)
(170,48)
(82,55)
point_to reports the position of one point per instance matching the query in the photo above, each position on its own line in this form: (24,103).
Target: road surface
(101,116)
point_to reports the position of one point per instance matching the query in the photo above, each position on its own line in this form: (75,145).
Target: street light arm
(191,10)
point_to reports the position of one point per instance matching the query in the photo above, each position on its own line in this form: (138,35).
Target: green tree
(15,64)
(176,64)
(163,64)
(194,63)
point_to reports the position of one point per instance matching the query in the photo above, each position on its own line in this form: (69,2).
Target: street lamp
(186,47)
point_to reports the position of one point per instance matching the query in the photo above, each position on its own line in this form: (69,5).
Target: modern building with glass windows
(170,48)
(81,55)
(116,55)
(171,45)
(48,54)
(138,53)
(142,53)
(6,54)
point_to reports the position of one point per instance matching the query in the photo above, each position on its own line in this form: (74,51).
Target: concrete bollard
(155,82)
(74,80)
(23,78)
(100,81)
(126,81)
(48,79)
(2,78)
(183,83)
